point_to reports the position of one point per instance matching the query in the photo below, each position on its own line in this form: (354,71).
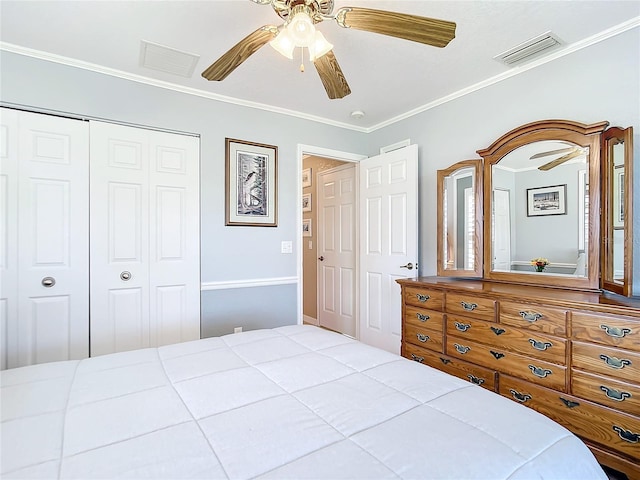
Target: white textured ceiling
(388,77)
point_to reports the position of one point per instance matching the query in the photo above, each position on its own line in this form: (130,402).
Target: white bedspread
(294,402)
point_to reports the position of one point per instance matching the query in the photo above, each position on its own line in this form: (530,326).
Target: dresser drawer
(423,337)
(534,370)
(425,318)
(612,362)
(423,297)
(586,419)
(606,329)
(480,376)
(471,306)
(535,317)
(535,344)
(607,391)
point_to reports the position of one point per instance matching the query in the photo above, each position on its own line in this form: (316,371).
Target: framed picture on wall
(306,177)
(306,227)
(251,184)
(306,202)
(542,201)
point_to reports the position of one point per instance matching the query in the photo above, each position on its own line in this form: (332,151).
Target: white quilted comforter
(294,402)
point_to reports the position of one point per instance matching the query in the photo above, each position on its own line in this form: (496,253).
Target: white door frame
(325,153)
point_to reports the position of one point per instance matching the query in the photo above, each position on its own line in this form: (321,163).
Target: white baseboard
(310,320)
(258,282)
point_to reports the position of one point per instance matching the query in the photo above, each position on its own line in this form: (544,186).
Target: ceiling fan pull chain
(302,59)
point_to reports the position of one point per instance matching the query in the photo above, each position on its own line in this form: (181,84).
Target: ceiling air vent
(530,49)
(166,59)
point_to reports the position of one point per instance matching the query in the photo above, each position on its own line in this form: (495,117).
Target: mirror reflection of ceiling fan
(298,30)
(566,155)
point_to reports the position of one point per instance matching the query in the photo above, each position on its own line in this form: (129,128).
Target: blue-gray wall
(594,84)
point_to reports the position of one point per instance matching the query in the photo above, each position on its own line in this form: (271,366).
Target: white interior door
(337,245)
(501,230)
(145,238)
(46,223)
(388,242)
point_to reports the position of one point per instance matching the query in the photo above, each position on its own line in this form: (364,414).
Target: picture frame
(251,189)
(306,177)
(618,197)
(544,201)
(306,227)
(306,202)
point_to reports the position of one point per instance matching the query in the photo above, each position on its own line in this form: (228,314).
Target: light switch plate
(286,246)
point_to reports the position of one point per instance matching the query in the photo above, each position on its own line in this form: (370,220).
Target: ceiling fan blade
(552,152)
(246,47)
(425,30)
(331,75)
(559,161)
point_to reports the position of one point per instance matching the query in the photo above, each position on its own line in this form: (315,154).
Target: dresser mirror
(617,229)
(541,202)
(460,228)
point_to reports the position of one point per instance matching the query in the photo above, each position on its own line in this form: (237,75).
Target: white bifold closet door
(144,228)
(44,245)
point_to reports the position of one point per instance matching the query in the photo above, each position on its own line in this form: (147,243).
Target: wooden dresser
(573,356)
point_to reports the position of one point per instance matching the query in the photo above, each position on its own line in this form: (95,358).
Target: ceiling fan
(567,154)
(298,30)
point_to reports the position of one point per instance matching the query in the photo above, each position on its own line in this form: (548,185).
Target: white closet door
(51,322)
(144,238)
(8,238)
(174,248)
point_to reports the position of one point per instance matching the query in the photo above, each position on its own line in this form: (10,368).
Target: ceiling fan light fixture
(301,28)
(283,43)
(319,47)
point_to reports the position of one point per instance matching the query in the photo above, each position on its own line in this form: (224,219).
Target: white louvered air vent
(530,49)
(166,59)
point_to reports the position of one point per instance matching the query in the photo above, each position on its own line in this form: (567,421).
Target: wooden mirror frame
(478,232)
(614,136)
(563,130)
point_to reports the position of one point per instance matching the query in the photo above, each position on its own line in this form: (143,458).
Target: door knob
(408,266)
(321,258)
(125,275)
(48,282)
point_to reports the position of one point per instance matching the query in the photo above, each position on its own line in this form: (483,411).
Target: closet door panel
(174,249)
(8,238)
(119,239)
(53,294)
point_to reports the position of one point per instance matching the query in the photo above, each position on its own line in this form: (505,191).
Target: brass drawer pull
(423,338)
(476,380)
(497,355)
(417,358)
(542,346)
(540,372)
(626,435)
(522,398)
(569,403)
(469,307)
(422,298)
(614,362)
(615,332)
(445,360)
(497,331)
(463,327)
(613,394)
(531,316)
(461,348)
(422,317)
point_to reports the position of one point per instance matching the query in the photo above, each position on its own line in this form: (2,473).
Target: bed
(288,403)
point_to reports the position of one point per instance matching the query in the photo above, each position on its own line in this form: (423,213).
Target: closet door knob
(125,276)
(48,282)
